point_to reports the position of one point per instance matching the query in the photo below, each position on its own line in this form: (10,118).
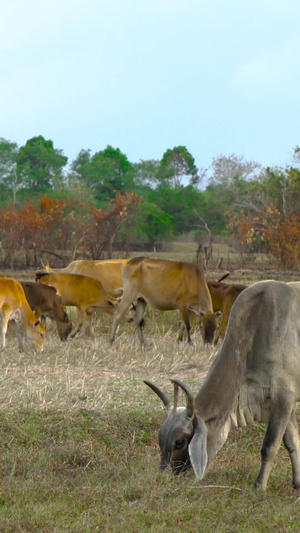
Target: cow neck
(26,314)
(217,396)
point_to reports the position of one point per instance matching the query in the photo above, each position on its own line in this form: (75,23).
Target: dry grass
(90,374)
(78,442)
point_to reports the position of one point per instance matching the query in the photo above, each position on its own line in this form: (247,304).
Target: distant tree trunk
(208,248)
(199,253)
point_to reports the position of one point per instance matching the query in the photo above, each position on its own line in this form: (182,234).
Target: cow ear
(198,447)
(195,310)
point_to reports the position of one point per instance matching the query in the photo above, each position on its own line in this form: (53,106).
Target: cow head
(177,430)
(209,326)
(35,333)
(183,435)
(64,327)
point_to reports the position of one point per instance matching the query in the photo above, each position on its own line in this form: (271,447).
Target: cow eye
(179,443)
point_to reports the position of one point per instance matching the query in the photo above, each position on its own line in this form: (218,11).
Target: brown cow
(46,301)
(166,285)
(223,296)
(15,308)
(87,294)
(109,272)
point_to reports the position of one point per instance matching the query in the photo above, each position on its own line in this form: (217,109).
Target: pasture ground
(78,439)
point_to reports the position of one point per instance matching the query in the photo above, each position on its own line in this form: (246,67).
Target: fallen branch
(52,253)
(216,487)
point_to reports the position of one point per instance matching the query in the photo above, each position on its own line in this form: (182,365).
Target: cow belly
(160,304)
(163,299)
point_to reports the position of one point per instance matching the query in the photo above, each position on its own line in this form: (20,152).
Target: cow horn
(40,274)
(190,397)
(224,277)
(164,398)
(176,390)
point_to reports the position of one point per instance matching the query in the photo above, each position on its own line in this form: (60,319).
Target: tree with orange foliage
(268,213)
(100,234)
(281,233)
(284,239)
(62,228)
(18,228)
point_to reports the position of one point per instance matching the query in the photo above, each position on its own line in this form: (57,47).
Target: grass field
(78,442)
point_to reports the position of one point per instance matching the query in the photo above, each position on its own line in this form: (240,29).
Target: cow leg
(128,297)
(90,327)
(181,332)
(117,319)
(4,323)
(16,327)
(291,442)
(182,335)
(185,326)
(79,322)
(139,318)
(277,427)
(217,335)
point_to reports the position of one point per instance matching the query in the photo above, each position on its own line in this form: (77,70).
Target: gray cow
(254,377)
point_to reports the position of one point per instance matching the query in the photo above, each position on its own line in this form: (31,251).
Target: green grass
(90,471)
(79,451)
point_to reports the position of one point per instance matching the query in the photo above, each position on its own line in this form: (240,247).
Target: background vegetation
(100,203)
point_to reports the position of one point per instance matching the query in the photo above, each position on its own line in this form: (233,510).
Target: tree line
(102,200)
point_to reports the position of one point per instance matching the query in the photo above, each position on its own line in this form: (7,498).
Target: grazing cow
(87,294)
(15,308)
(109,272)
(223,296)
(166,285)
(45,300)
(254,377)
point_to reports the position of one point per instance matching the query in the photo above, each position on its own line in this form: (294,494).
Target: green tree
(78,178)
(105,172)
(80,167)
(9,178)
(179,203)
(151,224)
(279,187)
(145,174)
(41,164)
(177,164)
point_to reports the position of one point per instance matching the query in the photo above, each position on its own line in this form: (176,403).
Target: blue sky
(219,77)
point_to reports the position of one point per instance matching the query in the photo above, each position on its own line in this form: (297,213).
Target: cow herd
(122,288)
(254,377)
